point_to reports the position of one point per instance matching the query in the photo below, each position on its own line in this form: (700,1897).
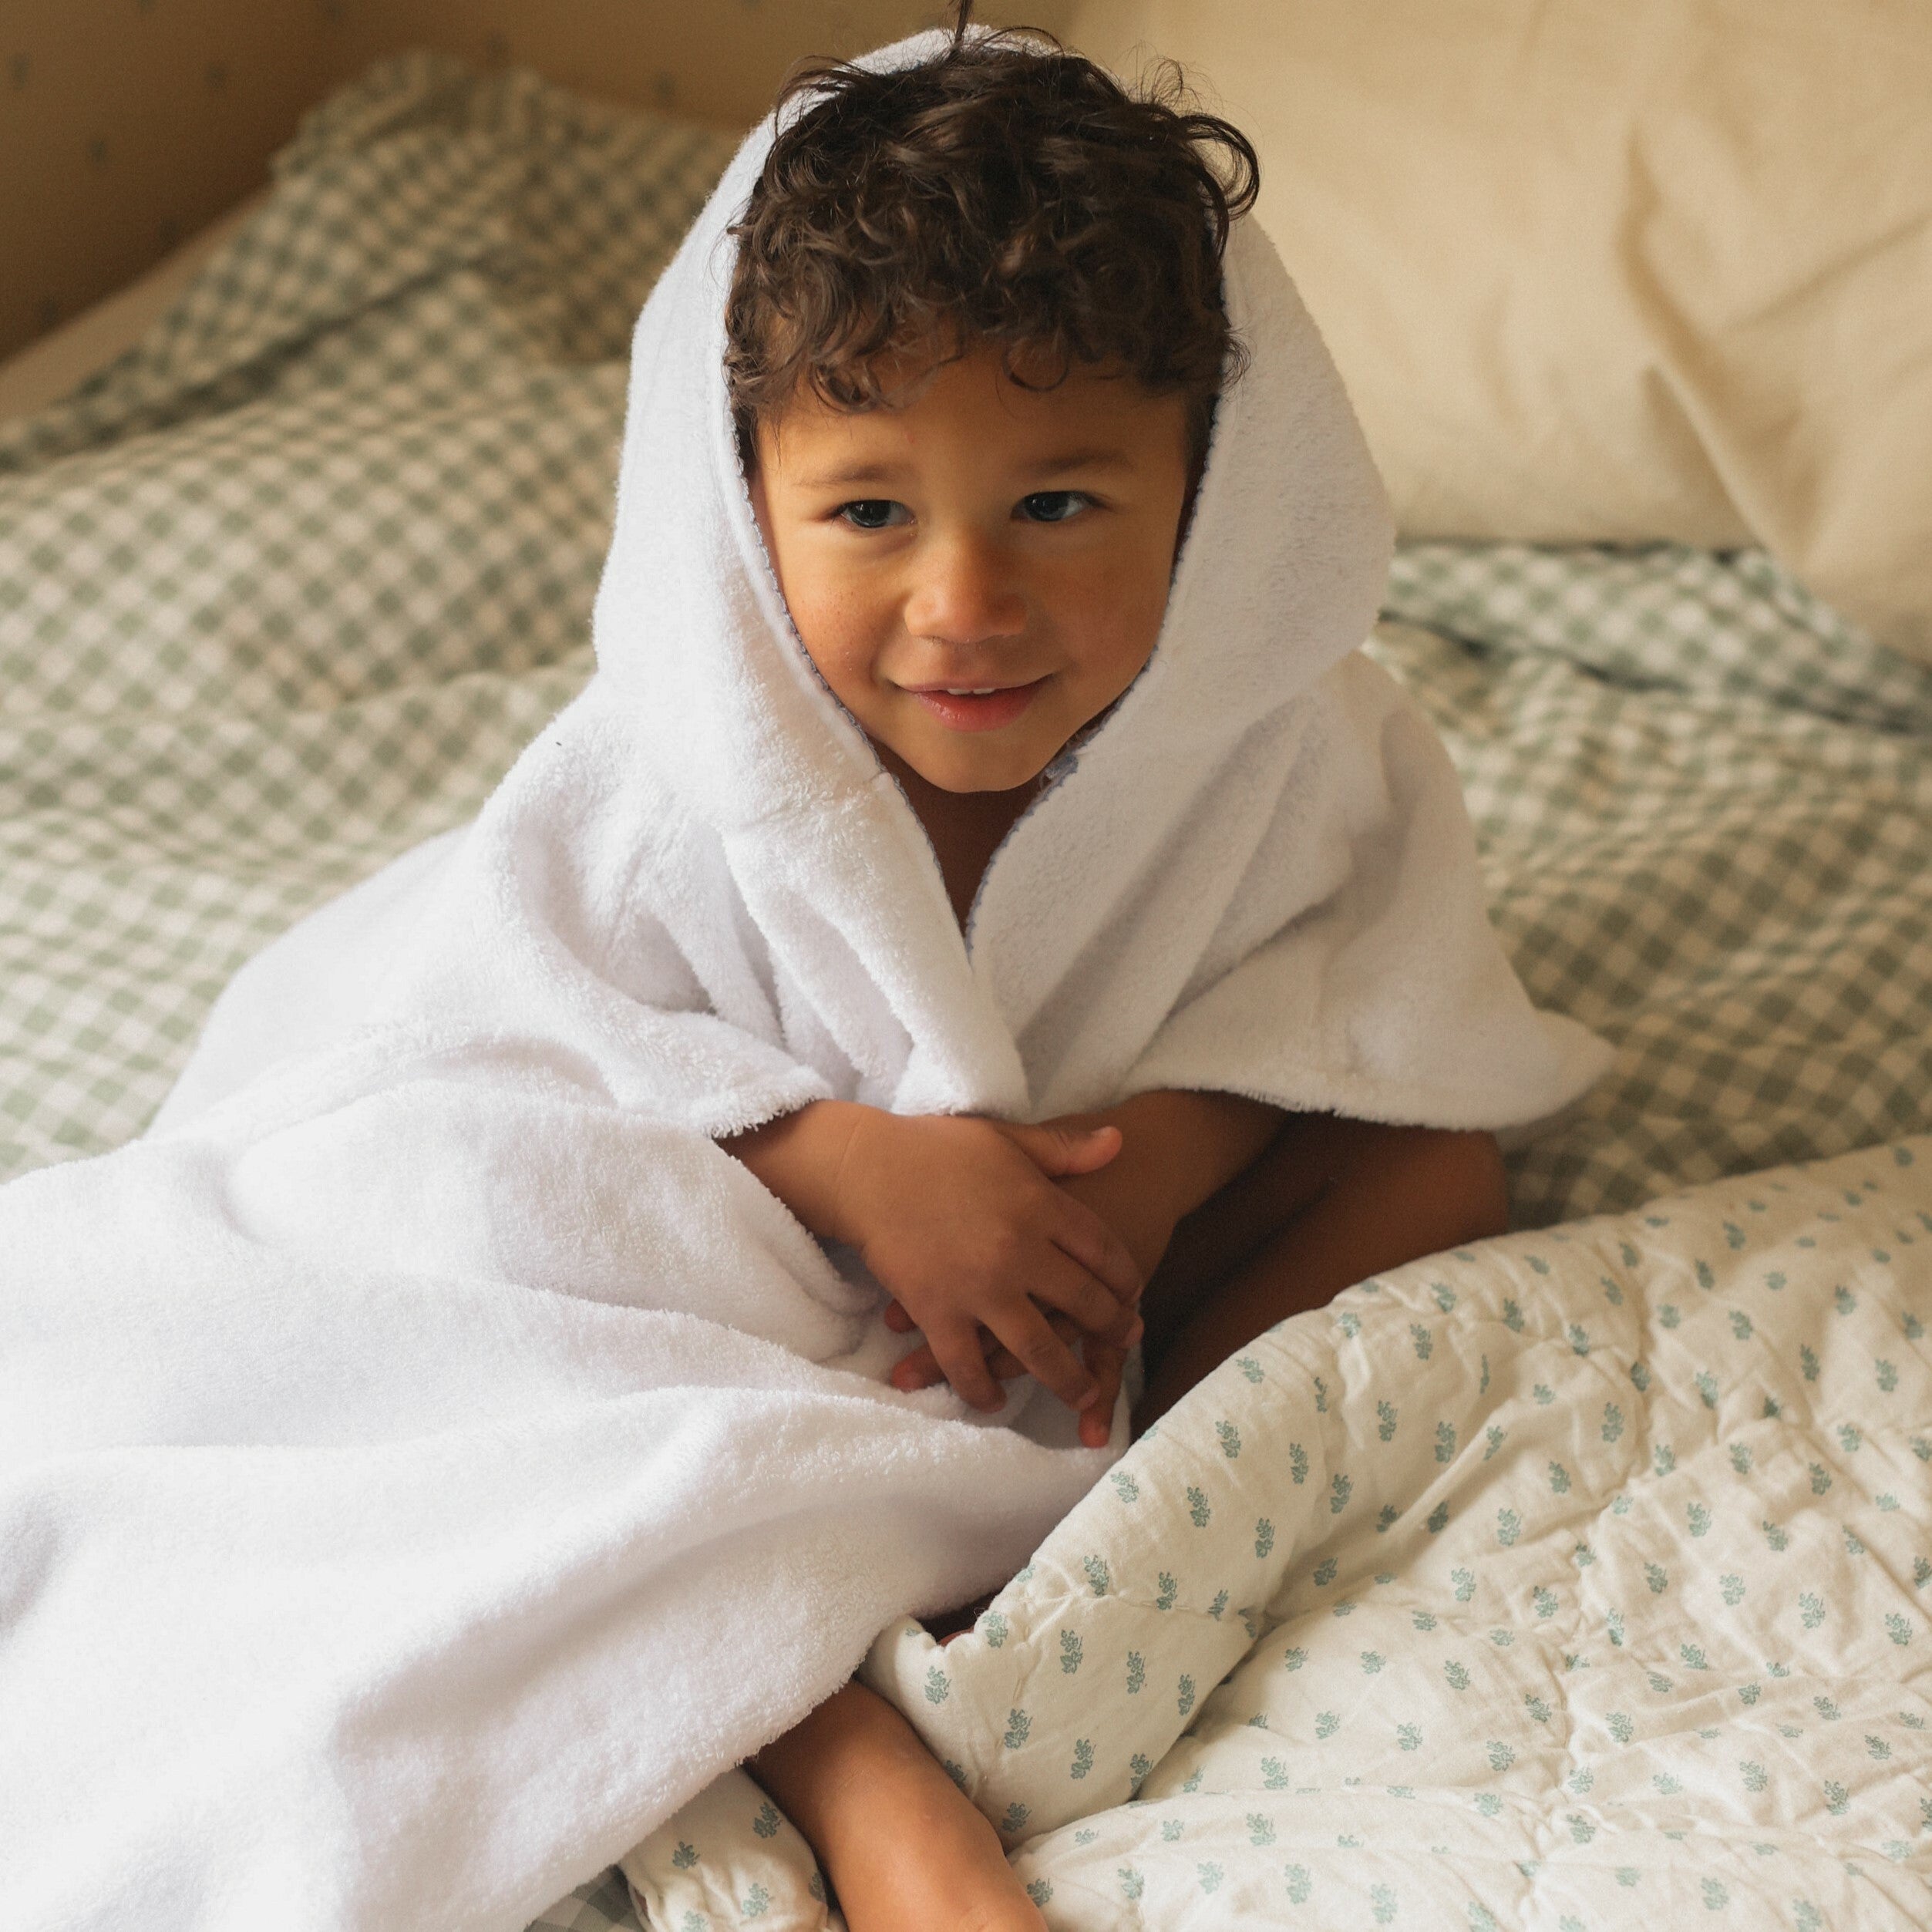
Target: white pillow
(1616,271)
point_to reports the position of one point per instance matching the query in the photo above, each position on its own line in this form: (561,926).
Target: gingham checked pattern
(1705,809)
(283,590)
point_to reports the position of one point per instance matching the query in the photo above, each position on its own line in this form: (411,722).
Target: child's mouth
(987,708)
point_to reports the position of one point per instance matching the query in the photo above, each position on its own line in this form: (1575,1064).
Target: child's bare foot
(904,1849)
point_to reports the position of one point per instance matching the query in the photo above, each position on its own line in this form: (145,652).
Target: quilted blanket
(1577,1581)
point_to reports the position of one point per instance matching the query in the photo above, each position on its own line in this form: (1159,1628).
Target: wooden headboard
(126,125)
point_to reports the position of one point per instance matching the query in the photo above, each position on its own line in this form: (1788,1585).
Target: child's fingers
(1096,1421)
(1044,1356)
(1063,1284)
(960,1357)
(1078,1231)
(1060,1151)
(921,1369)
(897,1318)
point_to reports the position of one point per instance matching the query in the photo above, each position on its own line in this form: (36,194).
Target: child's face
(979,572)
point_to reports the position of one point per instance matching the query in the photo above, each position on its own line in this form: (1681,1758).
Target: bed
(1579,1579)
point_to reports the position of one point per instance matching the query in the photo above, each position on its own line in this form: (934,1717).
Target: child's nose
(965,593)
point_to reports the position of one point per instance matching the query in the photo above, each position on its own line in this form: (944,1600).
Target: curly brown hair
(1007,194)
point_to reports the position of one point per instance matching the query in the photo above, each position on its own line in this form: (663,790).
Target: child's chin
(982,768)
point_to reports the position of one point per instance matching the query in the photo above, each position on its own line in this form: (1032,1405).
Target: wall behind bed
(126,125)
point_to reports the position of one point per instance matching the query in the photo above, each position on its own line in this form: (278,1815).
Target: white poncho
(426,1459)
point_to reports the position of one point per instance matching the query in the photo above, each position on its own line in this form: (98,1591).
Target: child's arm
(960,1220)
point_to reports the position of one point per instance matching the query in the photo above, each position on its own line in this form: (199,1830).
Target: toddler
(976,340)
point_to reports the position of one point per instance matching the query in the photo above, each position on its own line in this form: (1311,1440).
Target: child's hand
(960,1221)
(1131,1204)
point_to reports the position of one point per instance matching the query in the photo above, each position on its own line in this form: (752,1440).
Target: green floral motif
(1082,1758)
(1017,1814)
(1071,1650)
(1125,1486)
(1274,1775)
(1421,1339)
(755,1903)
(938,1687)
(1457,1675)
(1324,1572)
(1698,1518)
(1249,1367)
(1559,1480)
(1300,1886)
(993,1626)
(1327,1724)
(1340,1488)
(1297,1464)
(767,1822)
(1382,1900)
(1131,1883)
(684,1856)
(1263,1537)
(1512,1317)
(1137,1673)
(1168,1589)
(1230,1437)
(1040,1891)
(1184,1701)
(1210,1876)
(1385,1420)
(1199,1508)
(1408,1737)
(1493,1440)
(1139,1766)
(1019,1726)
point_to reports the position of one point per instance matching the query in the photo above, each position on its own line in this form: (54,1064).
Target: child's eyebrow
(1099,457)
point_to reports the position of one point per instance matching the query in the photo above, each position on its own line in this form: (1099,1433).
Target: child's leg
(1330,1201)
(905,1849)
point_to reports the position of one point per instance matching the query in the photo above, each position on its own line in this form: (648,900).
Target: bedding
(283,591)
(1579,1581)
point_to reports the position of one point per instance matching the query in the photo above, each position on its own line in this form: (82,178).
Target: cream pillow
(1610,270)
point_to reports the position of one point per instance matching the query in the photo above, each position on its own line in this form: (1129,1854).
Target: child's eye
(874,513)
(1053,506)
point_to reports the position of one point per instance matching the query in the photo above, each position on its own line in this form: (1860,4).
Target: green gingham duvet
(283,590)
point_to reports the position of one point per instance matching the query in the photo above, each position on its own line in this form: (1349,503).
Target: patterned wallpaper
(126,125)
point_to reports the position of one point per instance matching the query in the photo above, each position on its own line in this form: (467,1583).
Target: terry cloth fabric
(430,1459)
